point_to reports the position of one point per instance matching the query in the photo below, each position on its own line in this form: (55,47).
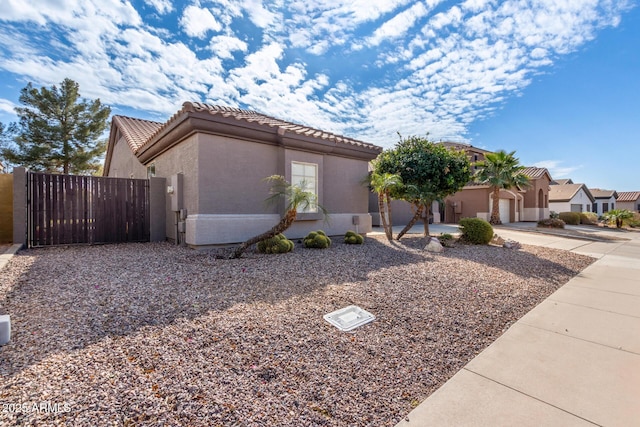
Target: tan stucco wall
(124,163)
(183,160)
(473,201)
(343,188)
(231,173)
(631,206)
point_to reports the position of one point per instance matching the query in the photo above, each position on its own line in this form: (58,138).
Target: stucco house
(570,198)
(605,200)
(475,200)
(629,200)
(215,160)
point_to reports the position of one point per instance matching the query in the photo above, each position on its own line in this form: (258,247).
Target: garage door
(504,211)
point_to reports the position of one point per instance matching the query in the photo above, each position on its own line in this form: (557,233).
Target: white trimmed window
(305,175)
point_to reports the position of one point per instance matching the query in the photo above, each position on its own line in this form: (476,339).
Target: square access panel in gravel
(349,318)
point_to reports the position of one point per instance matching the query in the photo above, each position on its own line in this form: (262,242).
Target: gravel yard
(154,334)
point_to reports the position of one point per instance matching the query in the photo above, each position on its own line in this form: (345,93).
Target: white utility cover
(349,318)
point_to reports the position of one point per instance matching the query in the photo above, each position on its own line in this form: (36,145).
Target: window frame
(313,209)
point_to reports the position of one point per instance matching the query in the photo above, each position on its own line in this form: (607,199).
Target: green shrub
(444,237)
(353,238)
(476,231)
(551,223)
(317,239)
(572,218)
(588,218)
(554,215)
(276,245)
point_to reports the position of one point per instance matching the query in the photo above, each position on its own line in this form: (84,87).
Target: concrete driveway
(574,360)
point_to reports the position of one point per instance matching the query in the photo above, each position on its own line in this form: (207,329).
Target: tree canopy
(57,131)
(428,171)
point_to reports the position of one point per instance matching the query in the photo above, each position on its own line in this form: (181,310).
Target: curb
(9,253)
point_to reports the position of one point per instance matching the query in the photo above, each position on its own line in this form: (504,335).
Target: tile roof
(561,193)
(535,172)
(628,196)
(562,181)
(462,146)
(136,131)
(251,116)
(603,194)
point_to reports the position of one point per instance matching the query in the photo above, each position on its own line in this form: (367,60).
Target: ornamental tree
(429,172)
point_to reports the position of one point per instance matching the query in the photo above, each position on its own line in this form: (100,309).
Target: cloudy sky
(554,80)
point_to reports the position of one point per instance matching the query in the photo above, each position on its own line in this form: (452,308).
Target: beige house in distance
(570,198)
(215,159)
(629,200)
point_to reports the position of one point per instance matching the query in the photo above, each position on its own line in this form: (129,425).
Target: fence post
(20,205)
(157,209)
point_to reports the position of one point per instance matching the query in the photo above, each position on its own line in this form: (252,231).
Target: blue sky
(554,80)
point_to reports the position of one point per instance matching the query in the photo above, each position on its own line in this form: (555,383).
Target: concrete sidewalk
(574,360)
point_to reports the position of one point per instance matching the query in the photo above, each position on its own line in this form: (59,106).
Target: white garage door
(504,211)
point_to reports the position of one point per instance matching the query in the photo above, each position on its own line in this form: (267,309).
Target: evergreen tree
(57,130)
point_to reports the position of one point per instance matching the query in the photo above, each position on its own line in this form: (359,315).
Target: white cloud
(197,22)
(223,46)
(399,24)
(556,169)
(161,6)
(323,63)
(7,106)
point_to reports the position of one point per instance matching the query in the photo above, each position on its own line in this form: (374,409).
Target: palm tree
(618,216)
(384,184)
(296,197)
(501,170)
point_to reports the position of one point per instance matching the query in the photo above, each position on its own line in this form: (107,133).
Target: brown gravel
(153,334)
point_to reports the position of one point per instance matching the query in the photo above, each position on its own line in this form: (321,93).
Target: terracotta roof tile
(253,116)
(136,131)
(535,172)
(628,196)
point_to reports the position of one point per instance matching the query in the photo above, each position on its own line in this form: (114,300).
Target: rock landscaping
(154,334)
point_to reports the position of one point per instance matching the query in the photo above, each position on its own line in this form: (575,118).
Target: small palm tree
(384,184)
(618,216)
(501,170)
(297,197)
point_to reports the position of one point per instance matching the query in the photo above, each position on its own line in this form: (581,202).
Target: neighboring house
(561,181)
(475,200)
(605,200)
(629,200)
(215,160)
(570,198)
(516,204)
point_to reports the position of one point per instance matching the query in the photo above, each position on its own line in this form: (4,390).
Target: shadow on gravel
(526,264)
(115,290)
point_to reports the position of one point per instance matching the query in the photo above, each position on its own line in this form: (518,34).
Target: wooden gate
(71,209)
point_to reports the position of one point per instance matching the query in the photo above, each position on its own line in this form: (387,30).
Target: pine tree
(57,130)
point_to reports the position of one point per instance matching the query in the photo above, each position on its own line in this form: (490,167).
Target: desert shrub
(317,239)
(572,218)
(588,218)
(476,231)
(554,215)
(445,237)
(353,238)
(551,223)
(278,244)
(635,221)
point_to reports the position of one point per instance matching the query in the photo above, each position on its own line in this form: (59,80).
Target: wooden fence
(71,209)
